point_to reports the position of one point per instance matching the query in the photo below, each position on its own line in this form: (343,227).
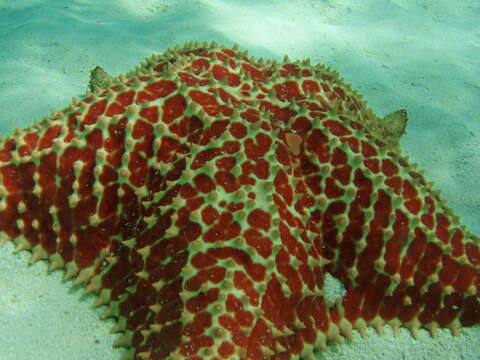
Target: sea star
(205,195)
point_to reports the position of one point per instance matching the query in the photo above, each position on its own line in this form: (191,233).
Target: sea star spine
(204,195)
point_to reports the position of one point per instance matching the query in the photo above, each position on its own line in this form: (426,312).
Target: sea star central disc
(205,195)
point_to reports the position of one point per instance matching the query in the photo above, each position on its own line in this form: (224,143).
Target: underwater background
(421,55)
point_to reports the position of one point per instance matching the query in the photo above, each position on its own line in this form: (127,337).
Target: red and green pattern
(205,195)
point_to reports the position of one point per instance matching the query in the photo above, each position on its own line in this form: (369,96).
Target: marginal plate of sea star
(205,195)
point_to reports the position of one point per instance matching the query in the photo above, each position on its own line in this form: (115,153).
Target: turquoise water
(419,55)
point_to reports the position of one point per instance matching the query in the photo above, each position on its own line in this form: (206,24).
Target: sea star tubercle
(204,196)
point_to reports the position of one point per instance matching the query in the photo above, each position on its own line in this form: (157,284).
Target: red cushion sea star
(205,195)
